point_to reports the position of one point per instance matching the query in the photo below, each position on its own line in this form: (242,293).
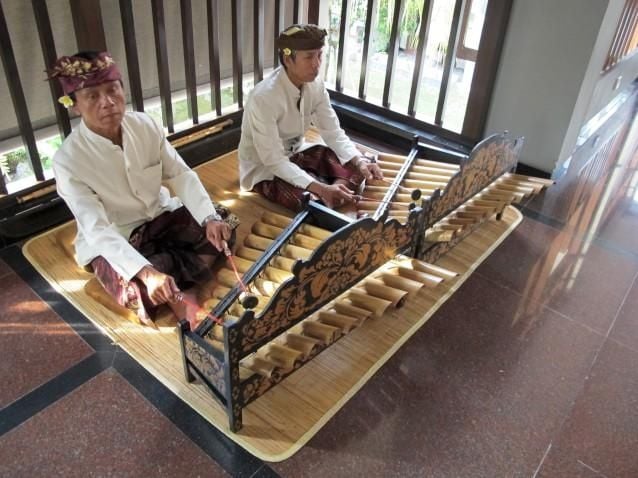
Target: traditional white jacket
(276,116)
(112,190)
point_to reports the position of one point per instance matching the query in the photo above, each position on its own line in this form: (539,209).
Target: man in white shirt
(274,160)
(143,245)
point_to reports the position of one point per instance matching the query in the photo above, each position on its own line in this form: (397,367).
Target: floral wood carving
(339,263)
(206,364)
(488,160)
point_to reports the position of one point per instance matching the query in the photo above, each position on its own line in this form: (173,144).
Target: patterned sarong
(322,164)
(176,245)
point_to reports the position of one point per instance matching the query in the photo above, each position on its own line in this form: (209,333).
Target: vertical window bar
(296,17)
(238,94)
(161,55)
(213,56)
(132,59)
(88,26)
(491,44)
(17,97)
(49,54)
(258,41)
(393,50)
(426,16)
(313,12)
(186,13)
(342,44)
(449,56)
(279,26)
(367,39)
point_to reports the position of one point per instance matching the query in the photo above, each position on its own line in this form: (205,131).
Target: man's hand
(161,288)
(218,232)
(333,195)
(367,169)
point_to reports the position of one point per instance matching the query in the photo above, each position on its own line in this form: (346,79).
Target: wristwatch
(211,217)
(370,157)
(361,160)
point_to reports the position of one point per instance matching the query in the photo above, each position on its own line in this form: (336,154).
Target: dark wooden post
(343,33)
(213,56)
(49,54)
(393,52)
(238,73)
(313,11)
(132,59)
(487,60)
(258,41)
(87,23)
(450,54)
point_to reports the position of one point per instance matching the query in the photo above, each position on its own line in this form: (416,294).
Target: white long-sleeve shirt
(112,190)
(273,129)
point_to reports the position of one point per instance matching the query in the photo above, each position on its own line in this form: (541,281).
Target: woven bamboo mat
(280,422)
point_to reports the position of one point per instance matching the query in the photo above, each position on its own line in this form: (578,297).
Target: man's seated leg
(322,162)
(176,245)
(281,192)
(126,293)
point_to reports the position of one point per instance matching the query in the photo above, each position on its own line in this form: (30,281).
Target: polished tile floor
(530,369)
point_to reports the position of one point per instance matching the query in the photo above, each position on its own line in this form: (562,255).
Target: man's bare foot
(144,319)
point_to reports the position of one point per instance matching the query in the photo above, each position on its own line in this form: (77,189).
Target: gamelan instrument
(296,285)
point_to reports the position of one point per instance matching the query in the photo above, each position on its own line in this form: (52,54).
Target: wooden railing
(89,34)
(626,38)
(486,58)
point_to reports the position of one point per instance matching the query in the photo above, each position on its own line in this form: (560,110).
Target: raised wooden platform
(276,425)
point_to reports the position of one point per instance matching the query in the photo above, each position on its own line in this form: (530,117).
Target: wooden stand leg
(184,327)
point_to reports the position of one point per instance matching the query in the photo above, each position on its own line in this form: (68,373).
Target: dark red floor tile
(551,203)
(103,428)
(472,394)
(4,269)
(596,287)
(579,279)
(559,464)
(36,343)
(625,328)
(620,228)
(601,430)
(520,255)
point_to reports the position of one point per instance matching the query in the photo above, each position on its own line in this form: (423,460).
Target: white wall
(546,57)
(597,89)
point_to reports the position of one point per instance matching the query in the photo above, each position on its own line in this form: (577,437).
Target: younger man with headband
(274,160)
(143,245)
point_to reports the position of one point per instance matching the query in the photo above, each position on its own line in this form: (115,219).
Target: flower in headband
(65,101)
(77,72)
(286,51)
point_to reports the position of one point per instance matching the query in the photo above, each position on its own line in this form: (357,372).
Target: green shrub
(14,158)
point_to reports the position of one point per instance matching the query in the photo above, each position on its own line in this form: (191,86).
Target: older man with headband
(143,245)
(274,159)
